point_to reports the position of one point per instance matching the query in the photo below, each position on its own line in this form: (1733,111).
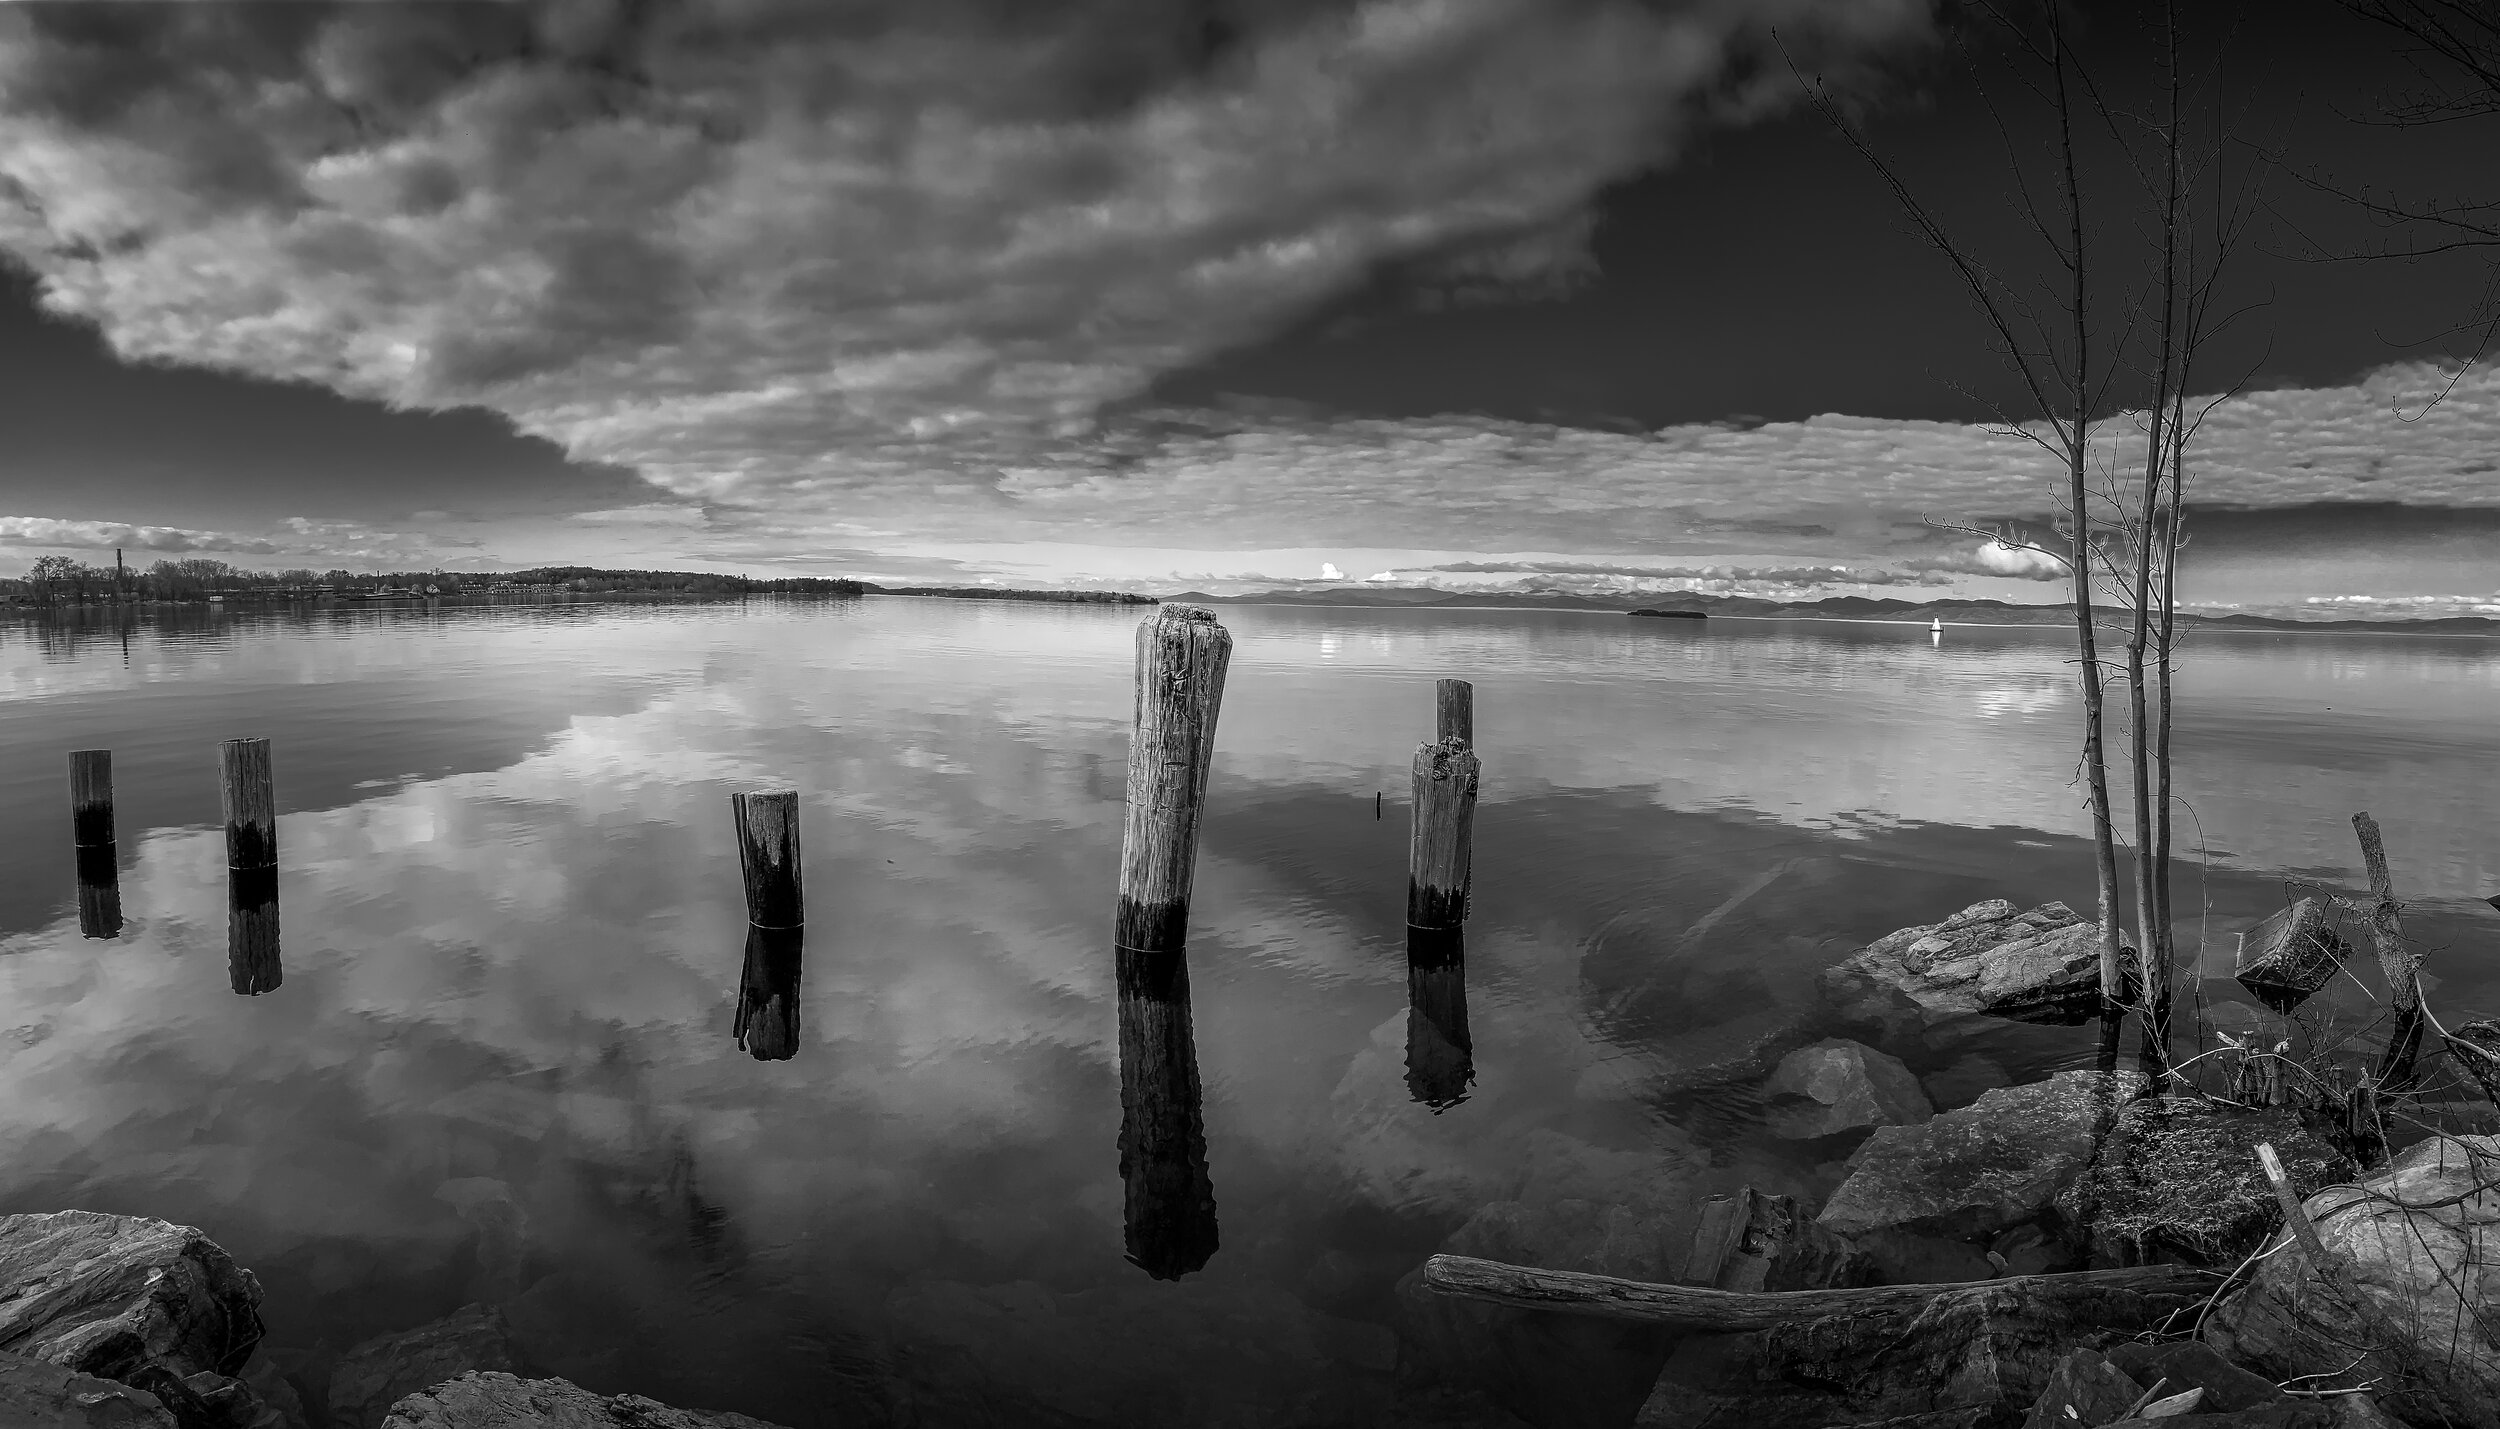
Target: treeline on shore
(56,580)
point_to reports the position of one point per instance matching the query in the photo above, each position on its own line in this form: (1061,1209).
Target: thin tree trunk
(2152,925)
(2078,455)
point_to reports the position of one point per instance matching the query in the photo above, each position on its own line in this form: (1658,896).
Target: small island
(1675,614)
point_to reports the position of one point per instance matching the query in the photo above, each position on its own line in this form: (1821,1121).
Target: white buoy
(1936,626)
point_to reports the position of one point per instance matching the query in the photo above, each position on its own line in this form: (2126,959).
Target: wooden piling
(767,1021)
(1454,712)
(1439,847)
(1440,1056)
(252,964)
(2397,962)
(251,803)
(1168,1220)
(1182,655)
(91,797)
(768,856)
(99,891)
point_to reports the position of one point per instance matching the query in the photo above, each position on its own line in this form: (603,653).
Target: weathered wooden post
(251,803)
(767,1023)
(2401,968)
(1182,654)
(91,836)
(1168,1219)
(1454,712)
(768,856)
(99,892)
(1439,845)
(252,964)
(91,797)
(1440,1056)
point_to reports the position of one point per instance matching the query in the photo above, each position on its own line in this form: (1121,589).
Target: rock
(37,1394)
(2288,956)
(141,1301)
(2177,1179)
(1838,1085)
(2039,966)
(277,1392)
(2029,1250)
(2407,1305)
(1968,1174)
(376,1374)
(1977,1356)
(2084,1390)
(503,1401)
(2475,1046)
(1750,1242)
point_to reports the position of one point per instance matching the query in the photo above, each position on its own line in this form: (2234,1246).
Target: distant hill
(1844,607)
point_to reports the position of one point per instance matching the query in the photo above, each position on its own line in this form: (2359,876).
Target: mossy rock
(2177,1180)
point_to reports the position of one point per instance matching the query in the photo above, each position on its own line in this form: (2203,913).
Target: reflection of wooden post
(99,892)
(91,797)
(251,801)
(2402,969)
(1169,1201)
(1440,1057)
(767,1023)
(1438,849)
(252,964)
(1182,654)
(768,856)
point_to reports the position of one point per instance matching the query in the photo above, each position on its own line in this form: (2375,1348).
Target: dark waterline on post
(91,797)
(767,1022)
(1440,1056)
(99,891)
(252,963)
(1169,1202)
(249,790)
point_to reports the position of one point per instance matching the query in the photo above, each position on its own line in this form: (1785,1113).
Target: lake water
(500,1065)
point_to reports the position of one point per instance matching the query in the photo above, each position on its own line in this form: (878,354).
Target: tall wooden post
(767,1023)
(1182,654)
(91,797)
(1454,712)
(1440,1056)
(1168,1200)
(1440,845)
(2397,962)
(768,856)
(252,965)
(251,803)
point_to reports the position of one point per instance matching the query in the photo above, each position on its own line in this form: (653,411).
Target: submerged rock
(2177,1179)
(1838,1085)
(373,1376)
(2287,957)
(153,1305)
(37,1394)
(1978,1356)
(2407,1302)
(503,1401)
(2041,965)
(1751,1242)
(1966,1175)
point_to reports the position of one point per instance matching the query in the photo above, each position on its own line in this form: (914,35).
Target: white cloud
(1328,571)
(2001,559)
(769,249)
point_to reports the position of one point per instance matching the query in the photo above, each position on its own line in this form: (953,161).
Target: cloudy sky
(1482,293)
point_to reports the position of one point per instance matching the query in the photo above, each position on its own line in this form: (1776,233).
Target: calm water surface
(501,1066)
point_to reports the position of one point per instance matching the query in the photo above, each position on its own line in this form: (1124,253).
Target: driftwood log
(1693,1308)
